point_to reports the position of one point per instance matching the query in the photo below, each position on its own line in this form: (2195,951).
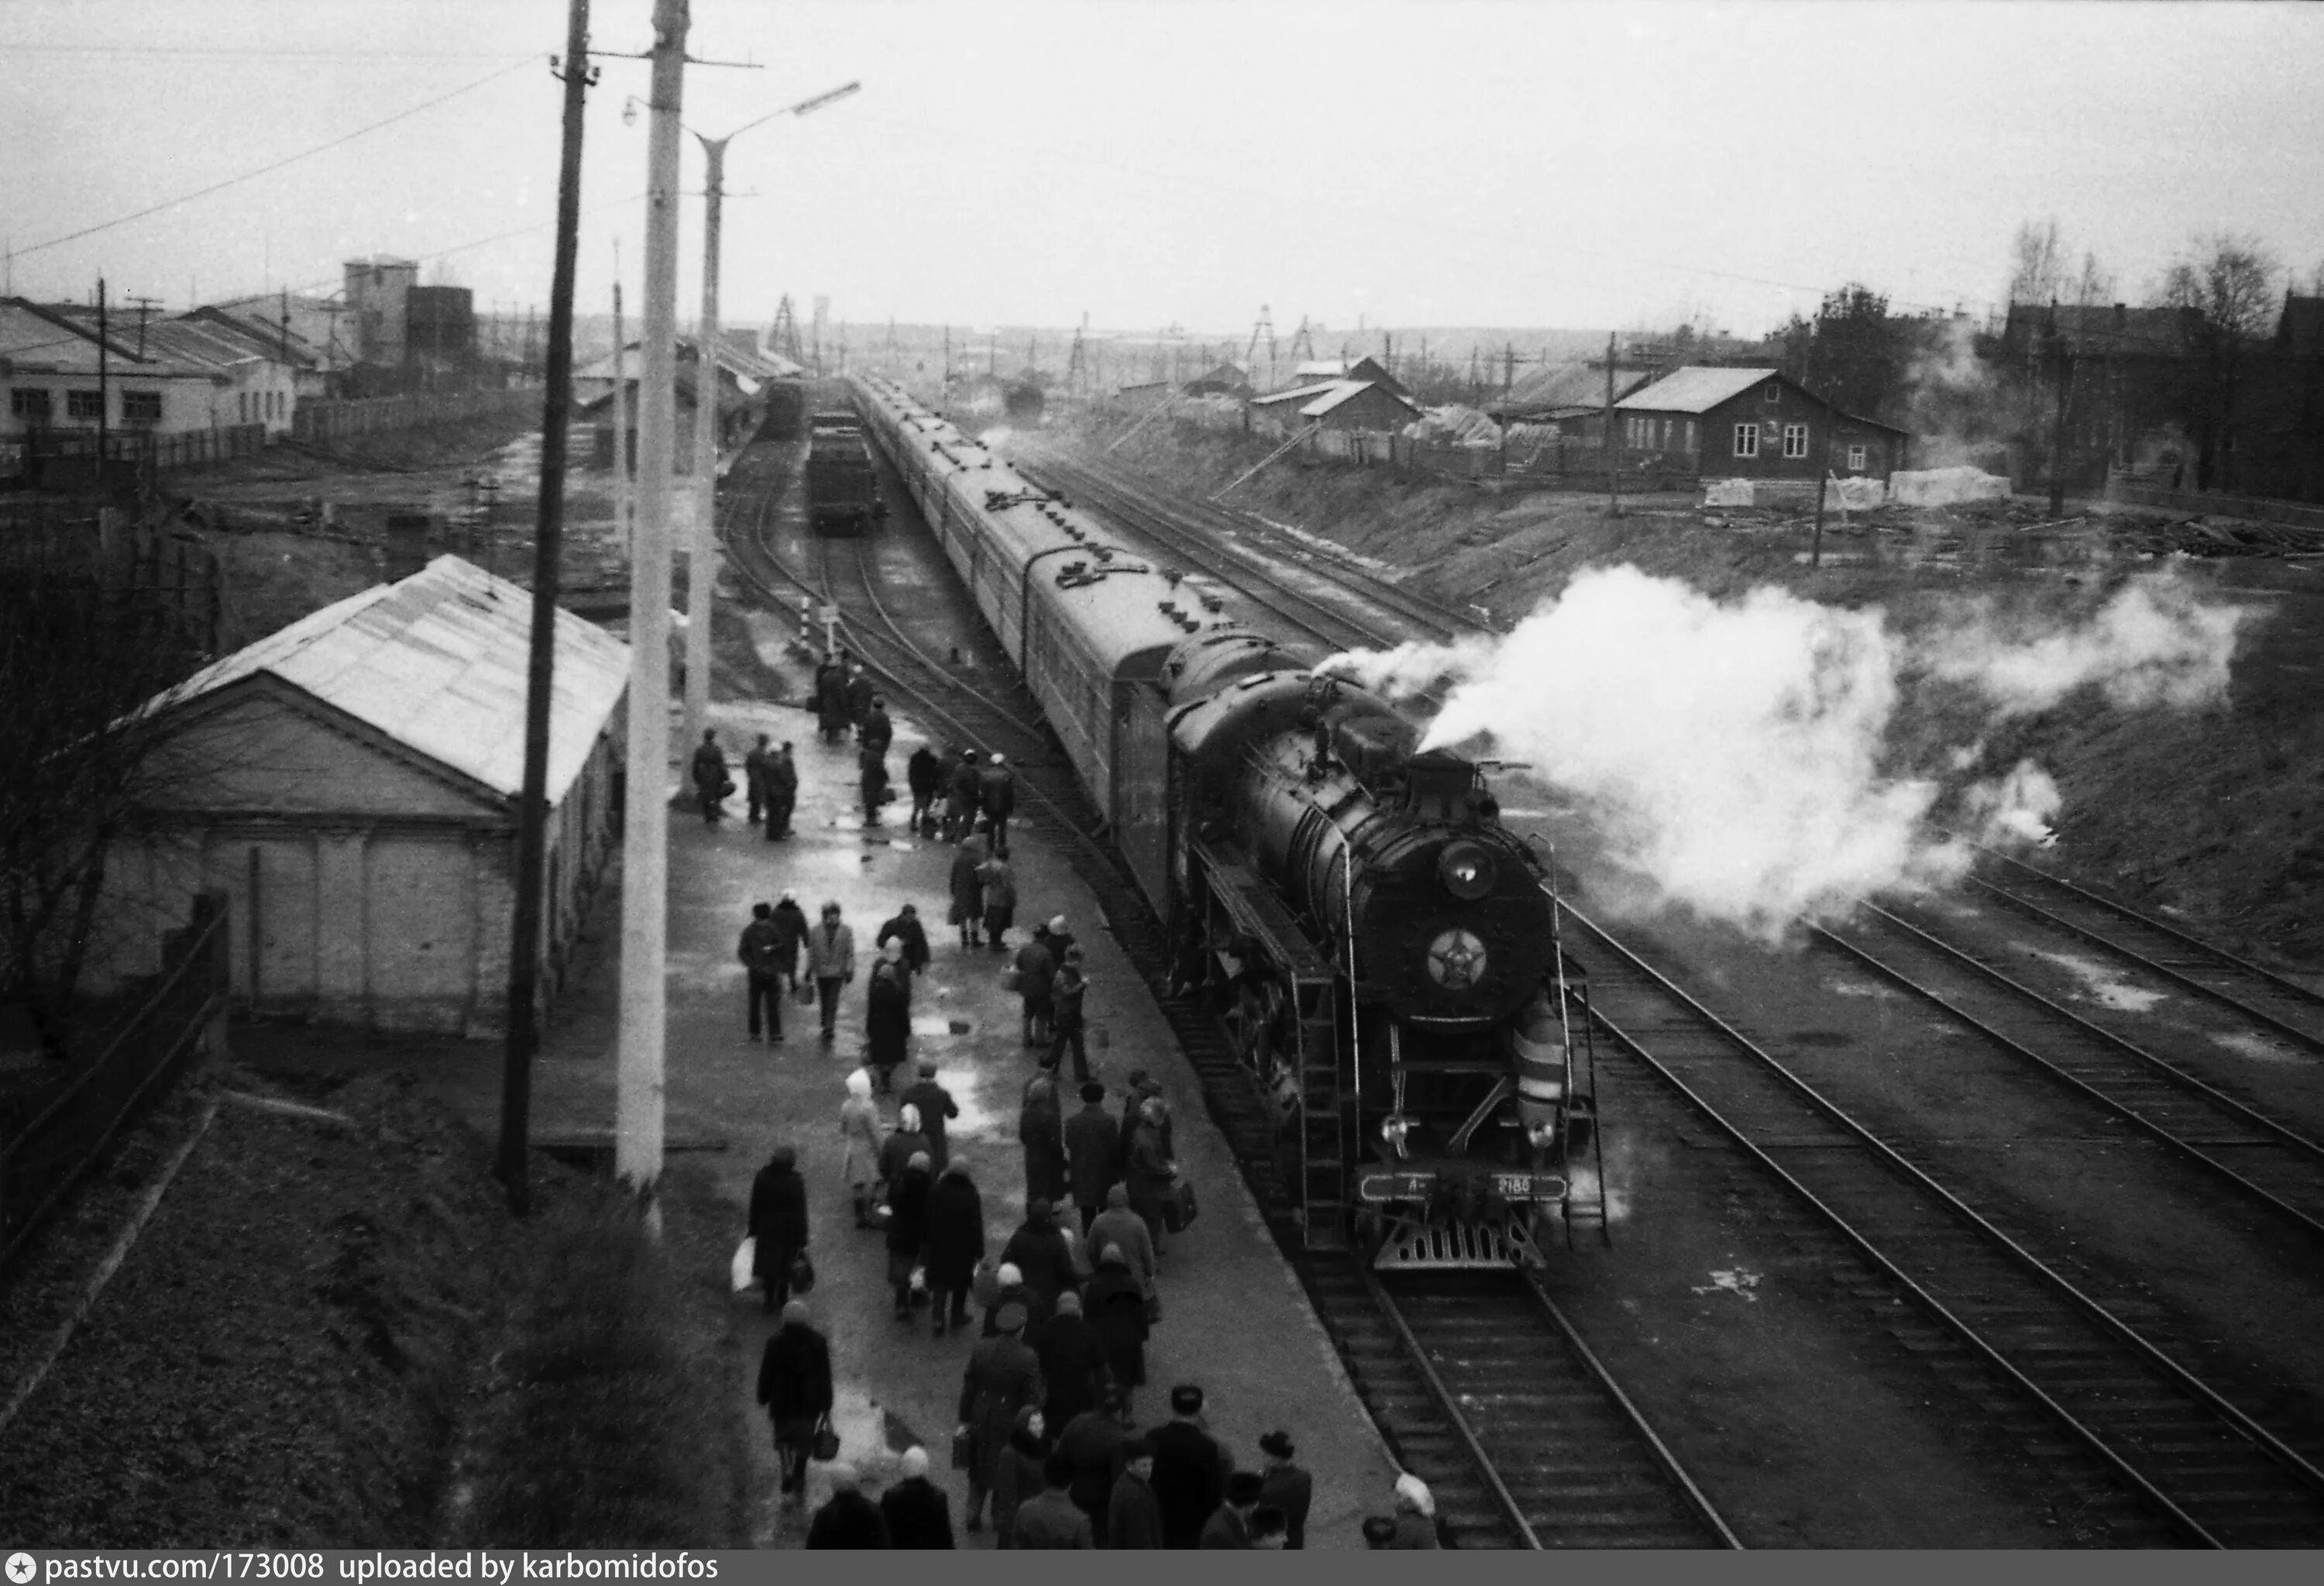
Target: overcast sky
(1437,165)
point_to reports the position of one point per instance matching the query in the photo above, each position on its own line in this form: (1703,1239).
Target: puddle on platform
(1738,1281)
(2258,1049)
(2102,985)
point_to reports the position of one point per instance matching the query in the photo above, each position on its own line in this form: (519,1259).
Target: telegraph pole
(532,807)
(645,841)
(624,516)
(104,388)
(1613,441)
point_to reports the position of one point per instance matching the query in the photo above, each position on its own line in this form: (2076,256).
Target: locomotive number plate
(1380,1188)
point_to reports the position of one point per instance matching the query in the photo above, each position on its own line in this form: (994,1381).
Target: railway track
(1481,1389)
(2209,1468)
(2273,1163)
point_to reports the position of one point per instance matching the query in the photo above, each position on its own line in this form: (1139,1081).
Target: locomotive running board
(1412,1244)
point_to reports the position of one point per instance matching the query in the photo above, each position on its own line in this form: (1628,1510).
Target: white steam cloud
(1732,752)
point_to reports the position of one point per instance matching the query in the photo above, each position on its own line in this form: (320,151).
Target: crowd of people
(1062,1312)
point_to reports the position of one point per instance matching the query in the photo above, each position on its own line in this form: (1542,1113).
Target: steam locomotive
(1381,948)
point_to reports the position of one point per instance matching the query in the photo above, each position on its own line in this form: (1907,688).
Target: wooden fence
(328,420)
(175,1014)
(2130,491)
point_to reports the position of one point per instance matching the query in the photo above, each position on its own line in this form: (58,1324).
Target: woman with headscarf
(795,1385)
(888,1013)
(1016,1476)
(1009,1290)
(1114,1305)
(904,1142)
(859,1126)
(1071,1361)
(952,1242)
(1415,1514)
(908,1203)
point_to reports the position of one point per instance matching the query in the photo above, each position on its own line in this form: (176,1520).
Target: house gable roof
(1699,388)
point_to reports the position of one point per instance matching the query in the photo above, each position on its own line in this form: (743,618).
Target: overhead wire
(219,187)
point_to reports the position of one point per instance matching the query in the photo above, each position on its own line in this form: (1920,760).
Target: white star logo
(21,1568)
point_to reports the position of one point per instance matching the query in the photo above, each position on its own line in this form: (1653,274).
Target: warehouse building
(351,783)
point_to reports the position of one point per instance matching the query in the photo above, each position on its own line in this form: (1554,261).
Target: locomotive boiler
(1379,947)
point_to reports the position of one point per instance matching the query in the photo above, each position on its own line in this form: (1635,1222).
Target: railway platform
(1235,1318)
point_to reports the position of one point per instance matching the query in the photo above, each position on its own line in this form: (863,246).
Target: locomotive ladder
(1255,911)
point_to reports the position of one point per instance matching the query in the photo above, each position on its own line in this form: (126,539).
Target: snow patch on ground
(1330,548)
(2103,986)
(2258,1049)
(1738,1281)
(1847,988)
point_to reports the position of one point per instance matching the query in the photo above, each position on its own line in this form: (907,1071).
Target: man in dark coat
(782,791)
(1149,1170)
(795,1385)
(877,732)
(996,799)
(1042,1254)
(1141,1087)
(905,926)
(1092,1153)
(918,1512)
(1126,1231)
(861,692)
(1115,1303)
(908,1209)
(1071,1362)
(754,778)
(960,802)
(1287,1487)
(760,950)
(831,699)
(1133,1510)
(1097,1441)
(710,779)
(1037,974)
(1230,1524)
(1003,1377)
(1051,1519)
(1190,1469)
(790,928)
(777,1222)
(849,1519)
(1041,1130)
(1067,1022)
(923,773)
(935,1105)
(872,785)
(967,888)
(955,1243)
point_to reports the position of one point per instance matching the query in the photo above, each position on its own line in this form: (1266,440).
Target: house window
(141,407)
(1855,459)
(83,404)
(1796,440)
(28,402)
(1747,441)
(1773,394)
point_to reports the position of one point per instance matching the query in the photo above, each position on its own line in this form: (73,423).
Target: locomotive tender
(1381,947)
(843,489)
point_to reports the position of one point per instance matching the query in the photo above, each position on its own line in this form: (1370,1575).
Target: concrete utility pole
(700,584)
(548,546)
(1613,441)
(645,840)
(103,389)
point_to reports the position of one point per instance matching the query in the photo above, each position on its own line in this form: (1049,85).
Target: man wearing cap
(790,936)
(1133,1512)
(1230,1524)
(1065,1018)
(760,950)
(996,797)
(904,926)
(754,778)
(1003,1377)
(1050,1518)
(1092,1153)
(935,1105)
(831,960)
(877,732)
(1037,973)
(1040,1252)
(1287,1487)
(918,1512)
(1190,1469)
(1096,1442)
(711,782)
(795,1385)
(782,791)
(848,1519)
(960,802)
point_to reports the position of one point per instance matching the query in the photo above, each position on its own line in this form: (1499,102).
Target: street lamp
(698,580)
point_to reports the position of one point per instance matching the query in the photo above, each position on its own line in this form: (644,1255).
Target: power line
(264,169)
(244,52)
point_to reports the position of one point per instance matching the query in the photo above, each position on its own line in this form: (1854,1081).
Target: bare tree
(2094,285)
(2037,261)
(2224,289)
(82,650)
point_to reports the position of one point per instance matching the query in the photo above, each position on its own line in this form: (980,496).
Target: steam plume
(1733,752)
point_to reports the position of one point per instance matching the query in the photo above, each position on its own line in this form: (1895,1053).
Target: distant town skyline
(1446,165)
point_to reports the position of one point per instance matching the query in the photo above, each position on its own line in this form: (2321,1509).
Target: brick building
(1753,424)
(351,783)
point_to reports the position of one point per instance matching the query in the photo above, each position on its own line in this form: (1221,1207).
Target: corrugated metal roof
(1343,390)
(1695,389)
(438,661)
(1297,393)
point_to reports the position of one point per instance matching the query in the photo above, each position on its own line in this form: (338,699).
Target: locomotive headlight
(1467,871)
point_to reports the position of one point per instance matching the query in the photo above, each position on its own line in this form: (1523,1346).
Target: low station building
(1753,424)
(351,783)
